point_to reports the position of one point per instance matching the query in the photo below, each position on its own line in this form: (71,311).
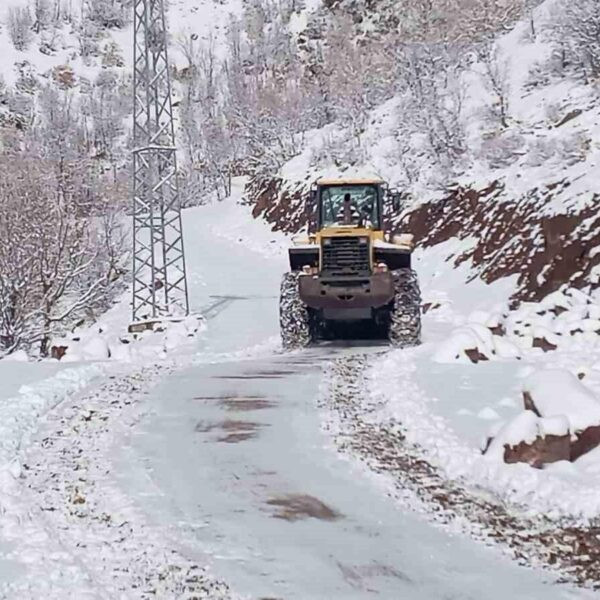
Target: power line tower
(159,278)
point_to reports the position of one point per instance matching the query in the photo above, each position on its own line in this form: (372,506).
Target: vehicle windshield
(349,205)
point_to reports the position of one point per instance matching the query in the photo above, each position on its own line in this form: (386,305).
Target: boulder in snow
(475,355)
(561,421)
(544,344)
(585,441)
(532,440)
(57,352)
(504,348)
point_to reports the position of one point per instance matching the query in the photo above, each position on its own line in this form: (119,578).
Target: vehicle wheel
(405,317)
(295,321)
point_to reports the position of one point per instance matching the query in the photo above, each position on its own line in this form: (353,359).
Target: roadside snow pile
(475,342)
(562,406)
(17,356)
(19,416)
(567,319)
(105,342)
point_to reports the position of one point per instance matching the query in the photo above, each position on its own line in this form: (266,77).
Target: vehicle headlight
(363,241)
(326,241)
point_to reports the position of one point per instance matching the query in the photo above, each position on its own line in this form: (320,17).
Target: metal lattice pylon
(159,278)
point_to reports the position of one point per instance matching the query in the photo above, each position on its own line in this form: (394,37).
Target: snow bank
(108,339)
(567,319)
(553,492)
(20,414)
(474,337)
(18,356)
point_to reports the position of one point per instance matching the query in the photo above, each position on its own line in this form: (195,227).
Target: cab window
(363,203)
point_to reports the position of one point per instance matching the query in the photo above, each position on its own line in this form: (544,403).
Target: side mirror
(397,200)
(313,196)
(312,209)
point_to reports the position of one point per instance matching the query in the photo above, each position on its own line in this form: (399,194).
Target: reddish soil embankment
(283,204)
(515,236)
(546,247)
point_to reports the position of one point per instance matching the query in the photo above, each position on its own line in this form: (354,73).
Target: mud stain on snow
(251,376)
(236,438)
(239,403)
(295,507)
(358,576)
(234,431)
(246,404)
(275,373)
(211,398)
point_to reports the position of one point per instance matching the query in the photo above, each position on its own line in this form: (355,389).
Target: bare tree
(63,254)
(496,71)
(577,36)
(20,25)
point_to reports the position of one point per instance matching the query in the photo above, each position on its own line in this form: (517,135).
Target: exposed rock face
(283,204)
(542,451)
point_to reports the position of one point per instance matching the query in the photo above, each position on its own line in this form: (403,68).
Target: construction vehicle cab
(349,268)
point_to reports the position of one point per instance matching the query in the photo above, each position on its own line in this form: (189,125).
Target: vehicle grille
(345,257)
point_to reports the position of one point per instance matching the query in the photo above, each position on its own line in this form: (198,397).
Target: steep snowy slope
(71,37)
(520,195)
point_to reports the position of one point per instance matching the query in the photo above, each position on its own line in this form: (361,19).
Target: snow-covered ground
(204,462)
(449,406)
(232,466)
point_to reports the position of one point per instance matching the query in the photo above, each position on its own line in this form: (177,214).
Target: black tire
(405,316)
(294,316)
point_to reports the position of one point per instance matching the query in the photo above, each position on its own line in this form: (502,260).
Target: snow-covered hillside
(83,39)
(521,192)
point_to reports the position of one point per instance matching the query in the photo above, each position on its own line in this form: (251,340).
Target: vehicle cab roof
(351,181)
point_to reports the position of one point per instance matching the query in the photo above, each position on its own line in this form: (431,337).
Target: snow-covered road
(219,459)
(233,466)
